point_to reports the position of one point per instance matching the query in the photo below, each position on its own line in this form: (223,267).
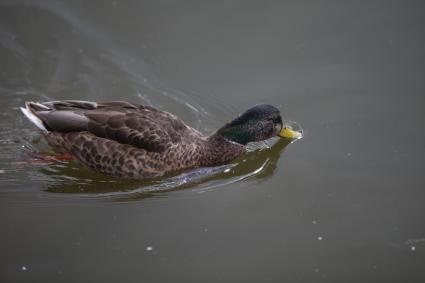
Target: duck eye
(275,120)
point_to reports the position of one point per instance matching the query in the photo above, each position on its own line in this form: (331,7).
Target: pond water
(344,204)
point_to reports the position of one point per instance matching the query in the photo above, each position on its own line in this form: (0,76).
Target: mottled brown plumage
(139,142)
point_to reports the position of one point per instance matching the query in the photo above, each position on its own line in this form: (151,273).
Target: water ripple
(87,64)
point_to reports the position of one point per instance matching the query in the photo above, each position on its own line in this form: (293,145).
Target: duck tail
(30,111)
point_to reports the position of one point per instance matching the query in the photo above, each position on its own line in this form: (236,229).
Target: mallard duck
(132,141)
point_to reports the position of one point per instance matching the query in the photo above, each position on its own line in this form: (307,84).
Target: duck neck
(221,150)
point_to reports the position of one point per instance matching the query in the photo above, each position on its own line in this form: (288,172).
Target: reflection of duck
(72,178)
(140,142)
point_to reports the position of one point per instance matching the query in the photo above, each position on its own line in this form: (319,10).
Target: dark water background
(344,204)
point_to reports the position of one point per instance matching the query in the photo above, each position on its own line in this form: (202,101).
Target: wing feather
(137,125)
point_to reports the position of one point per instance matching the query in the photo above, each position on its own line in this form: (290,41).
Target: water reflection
(84,61)
(74,179)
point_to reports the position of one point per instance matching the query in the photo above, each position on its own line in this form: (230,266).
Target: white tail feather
(33,118)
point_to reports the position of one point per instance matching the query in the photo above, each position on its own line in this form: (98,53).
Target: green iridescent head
(258,123)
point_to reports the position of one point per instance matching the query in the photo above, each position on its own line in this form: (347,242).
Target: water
(344,204)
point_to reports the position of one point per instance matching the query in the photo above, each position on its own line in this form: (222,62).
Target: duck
(132,141)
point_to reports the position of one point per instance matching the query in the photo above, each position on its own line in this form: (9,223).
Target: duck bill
(288,133)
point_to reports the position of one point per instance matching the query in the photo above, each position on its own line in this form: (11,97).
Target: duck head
(258,123)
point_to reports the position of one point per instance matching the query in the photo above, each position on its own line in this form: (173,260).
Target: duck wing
(140,126)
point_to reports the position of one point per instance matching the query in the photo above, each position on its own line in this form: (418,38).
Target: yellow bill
(289,133)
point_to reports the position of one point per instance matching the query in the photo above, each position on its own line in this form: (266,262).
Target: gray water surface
(344,204)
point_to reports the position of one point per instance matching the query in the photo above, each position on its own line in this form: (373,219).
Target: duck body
(125,140)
